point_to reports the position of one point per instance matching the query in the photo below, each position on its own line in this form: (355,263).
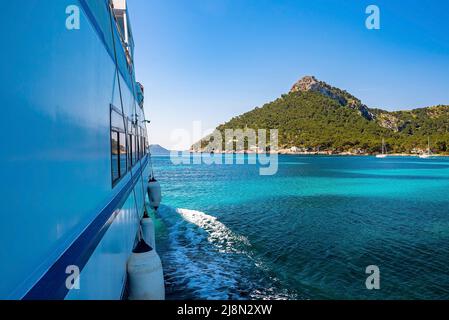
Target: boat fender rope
(142,247)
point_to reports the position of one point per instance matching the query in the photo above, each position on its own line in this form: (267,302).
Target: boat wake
(204,259)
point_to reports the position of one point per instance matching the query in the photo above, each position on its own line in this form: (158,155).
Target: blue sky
(210,60)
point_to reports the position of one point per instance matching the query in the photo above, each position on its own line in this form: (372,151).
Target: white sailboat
(384,151)
(428,154)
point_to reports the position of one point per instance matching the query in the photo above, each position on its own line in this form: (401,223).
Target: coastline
(318,153)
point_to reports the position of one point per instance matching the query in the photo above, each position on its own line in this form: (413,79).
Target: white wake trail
(207,258)
(218,234)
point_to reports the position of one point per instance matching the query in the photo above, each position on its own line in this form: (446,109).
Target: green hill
(314,116)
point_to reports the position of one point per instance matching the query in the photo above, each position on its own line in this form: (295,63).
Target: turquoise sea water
(309,232)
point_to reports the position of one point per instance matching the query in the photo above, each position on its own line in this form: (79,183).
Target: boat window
(134,155)
(145,144)
(115,162)
(141,142)
(137,147)
(140,147)
(119,159)
(130,127)
(117,123)
(123,154)
(130,157)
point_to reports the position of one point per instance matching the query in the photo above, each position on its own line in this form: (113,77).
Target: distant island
(316,118)
(157,150)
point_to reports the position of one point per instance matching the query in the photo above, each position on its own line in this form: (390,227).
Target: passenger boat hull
(64,209)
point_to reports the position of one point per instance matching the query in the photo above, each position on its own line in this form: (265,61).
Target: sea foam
(207,260)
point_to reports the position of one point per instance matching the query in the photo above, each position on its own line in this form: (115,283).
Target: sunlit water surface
(309,232)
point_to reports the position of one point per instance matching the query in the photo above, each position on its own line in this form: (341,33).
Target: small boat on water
(429,152)
(384,151)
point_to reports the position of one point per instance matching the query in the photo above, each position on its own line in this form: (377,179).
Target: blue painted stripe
(52,285)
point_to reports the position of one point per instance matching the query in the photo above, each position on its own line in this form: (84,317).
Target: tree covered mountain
(316,116)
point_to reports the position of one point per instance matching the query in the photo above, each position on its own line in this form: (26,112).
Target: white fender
(154,193)
(148,231)
(145,274)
